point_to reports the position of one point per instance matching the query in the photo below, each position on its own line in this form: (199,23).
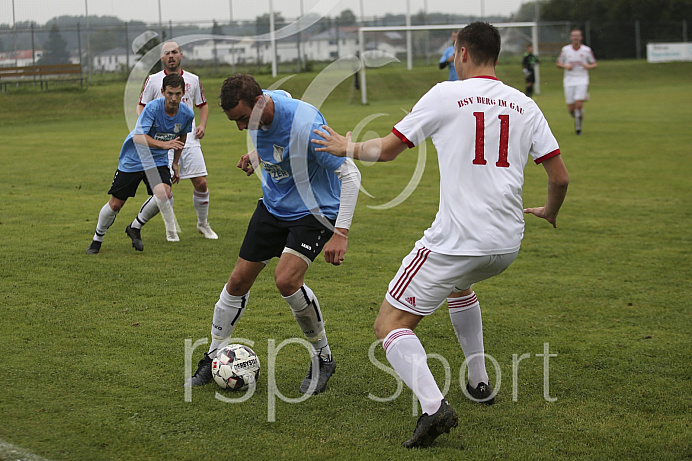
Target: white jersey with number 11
(484,132)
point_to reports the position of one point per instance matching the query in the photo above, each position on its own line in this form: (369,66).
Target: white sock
(408,358)
(201,202)
(227,312)
(465,314)
(307,313)
(166,209)
(149,210)
(578,113)
(106,217)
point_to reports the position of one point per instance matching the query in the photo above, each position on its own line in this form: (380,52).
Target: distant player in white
(192,164)
(484,132)
(577,59)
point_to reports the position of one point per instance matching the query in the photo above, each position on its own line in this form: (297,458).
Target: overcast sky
(178,11)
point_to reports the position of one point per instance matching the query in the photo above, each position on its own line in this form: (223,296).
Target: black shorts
(125,184)
(531,78)
(267,236)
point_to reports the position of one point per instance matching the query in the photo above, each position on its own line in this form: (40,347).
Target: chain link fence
(108,48)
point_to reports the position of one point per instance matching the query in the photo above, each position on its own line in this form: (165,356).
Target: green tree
(55,48)
(262,22)
(216,29)
(346,18)
(612,27)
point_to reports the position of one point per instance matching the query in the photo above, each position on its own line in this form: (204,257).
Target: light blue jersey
(448,53)
(296,180)
(154,122)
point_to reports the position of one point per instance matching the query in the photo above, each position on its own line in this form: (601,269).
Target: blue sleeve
(145,120)
(327,161)
(447,54)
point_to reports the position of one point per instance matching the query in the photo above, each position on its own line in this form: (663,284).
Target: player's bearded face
(171,58)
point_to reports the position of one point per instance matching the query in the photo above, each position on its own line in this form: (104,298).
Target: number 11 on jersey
(479,159)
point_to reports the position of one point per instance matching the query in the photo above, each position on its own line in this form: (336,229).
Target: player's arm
(590,65)
(176,160)
(558,180)
(144,97)
(146,140)
(561,64)
(203,117)
(374,150)
(335,249)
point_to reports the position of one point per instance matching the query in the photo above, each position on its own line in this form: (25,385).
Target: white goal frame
(409,53)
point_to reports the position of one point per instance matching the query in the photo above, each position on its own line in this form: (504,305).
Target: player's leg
(579,96)
(227,312)
(124,185)
(405,353)
(569,99)
(304,242)
(578,116)
(107,216)
(200,200)
(261,243)
(193,167)
(529,85)
(161,200)
(420,286)
(465,315)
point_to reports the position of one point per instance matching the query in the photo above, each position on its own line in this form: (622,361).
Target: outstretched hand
(540,212)
(332,142)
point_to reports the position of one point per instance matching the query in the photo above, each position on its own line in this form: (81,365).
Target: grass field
(92,361)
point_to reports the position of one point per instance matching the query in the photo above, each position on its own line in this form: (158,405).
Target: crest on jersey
(278,153)
(177,127)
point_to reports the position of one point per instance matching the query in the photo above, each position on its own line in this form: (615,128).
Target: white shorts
(426,279)
(191,162)
(576,93)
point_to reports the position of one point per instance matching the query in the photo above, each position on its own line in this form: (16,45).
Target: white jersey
(578,75)
(193,97)
(483,131)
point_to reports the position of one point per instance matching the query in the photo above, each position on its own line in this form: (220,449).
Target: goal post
(409,53)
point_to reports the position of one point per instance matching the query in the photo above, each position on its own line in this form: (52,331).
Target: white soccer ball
(235,367)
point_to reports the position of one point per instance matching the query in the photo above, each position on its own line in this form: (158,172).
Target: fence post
(684,30)
(79,45)
(638,38)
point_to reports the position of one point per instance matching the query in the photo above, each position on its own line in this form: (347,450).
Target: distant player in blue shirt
(307,206)
(447,59)
(162,125)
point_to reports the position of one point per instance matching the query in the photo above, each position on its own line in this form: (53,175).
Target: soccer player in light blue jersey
(162,125)
(307,207)
(447,59)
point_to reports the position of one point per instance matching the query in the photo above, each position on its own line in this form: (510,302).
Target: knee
(200,184)
(381,329)
(237,285)
(286,284)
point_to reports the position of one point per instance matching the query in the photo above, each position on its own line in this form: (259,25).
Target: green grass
(93,347)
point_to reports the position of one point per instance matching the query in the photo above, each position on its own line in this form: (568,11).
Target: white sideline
(9,451)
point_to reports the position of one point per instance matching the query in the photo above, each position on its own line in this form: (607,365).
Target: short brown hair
(239,87)
(482,40)
(174,81)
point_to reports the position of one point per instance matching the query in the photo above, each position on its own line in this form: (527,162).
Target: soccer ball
(235,367)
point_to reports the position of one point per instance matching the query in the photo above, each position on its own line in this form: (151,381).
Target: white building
(21,59)
(115,60)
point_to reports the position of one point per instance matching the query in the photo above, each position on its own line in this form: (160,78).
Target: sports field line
(11,452)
